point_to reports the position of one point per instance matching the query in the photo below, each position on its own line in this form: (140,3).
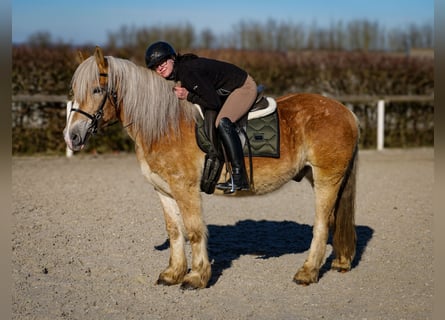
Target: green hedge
(37,127)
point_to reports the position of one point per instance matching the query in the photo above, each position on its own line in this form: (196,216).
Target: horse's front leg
(177,267)
(184,212)
(189,202)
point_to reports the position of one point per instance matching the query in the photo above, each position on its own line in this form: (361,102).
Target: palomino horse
(319,141)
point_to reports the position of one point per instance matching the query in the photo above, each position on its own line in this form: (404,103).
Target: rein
(97,116)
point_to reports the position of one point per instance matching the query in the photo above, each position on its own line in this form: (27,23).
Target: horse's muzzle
(77,135)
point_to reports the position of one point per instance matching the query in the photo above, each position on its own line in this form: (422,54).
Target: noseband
(97,116)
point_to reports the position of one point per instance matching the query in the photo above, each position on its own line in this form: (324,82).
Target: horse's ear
(100,60)
(80,56)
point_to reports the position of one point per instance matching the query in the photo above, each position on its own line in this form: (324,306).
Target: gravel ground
(88,242)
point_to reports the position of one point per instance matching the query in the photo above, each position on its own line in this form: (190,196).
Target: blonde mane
(149,103)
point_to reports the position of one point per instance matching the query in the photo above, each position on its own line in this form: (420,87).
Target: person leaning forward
(216,86)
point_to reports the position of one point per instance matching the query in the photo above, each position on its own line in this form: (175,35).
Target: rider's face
(165,69)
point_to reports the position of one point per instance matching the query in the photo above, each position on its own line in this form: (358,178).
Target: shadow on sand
(266,239)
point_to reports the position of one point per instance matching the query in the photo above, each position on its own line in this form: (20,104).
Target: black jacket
(208,81)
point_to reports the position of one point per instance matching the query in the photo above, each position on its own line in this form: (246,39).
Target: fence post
(69,152)
(380,124)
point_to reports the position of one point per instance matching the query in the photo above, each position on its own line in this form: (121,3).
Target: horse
(318,141)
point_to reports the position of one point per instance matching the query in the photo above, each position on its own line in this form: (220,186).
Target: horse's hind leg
(326,190)
(177,267)
(343,227)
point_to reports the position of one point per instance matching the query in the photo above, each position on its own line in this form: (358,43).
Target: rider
(214,85)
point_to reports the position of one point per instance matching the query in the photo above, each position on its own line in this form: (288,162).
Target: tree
(40,39)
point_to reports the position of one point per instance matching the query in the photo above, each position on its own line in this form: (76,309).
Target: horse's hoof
(341,265)
(192,285)
(341,270)
(188,286)
(301,283)
(305,278)
(167,281)
(164,282)
(193,281)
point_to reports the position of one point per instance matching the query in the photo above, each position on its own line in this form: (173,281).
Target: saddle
(259,134)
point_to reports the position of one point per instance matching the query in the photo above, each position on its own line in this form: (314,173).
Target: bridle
(97,116)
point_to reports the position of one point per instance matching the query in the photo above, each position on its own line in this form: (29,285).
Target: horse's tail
(343,224)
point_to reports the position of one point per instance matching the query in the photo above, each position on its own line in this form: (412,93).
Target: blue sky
(89,21)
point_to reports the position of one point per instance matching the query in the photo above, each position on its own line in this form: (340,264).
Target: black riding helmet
(157,53)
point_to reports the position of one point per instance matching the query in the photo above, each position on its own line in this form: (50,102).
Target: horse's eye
(97,90)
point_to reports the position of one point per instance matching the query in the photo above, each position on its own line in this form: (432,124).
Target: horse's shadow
(266,239)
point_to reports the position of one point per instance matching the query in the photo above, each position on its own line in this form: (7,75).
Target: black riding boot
(234,151)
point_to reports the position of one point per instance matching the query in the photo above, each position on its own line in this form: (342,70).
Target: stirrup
(229,186)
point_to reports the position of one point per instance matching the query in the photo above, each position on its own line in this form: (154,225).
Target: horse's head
(94,101)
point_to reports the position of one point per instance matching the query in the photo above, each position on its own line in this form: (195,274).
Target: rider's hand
(181,92)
